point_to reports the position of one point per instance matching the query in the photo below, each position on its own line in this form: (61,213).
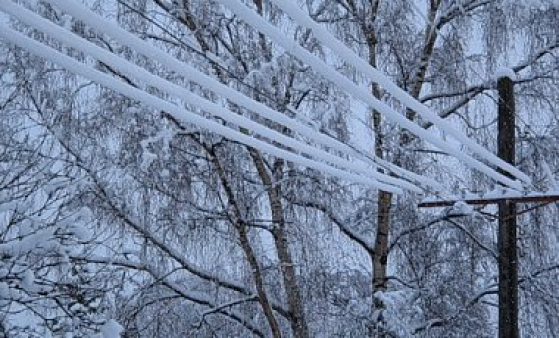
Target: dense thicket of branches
(110,211)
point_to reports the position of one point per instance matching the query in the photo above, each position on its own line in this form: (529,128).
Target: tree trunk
(242,230)
(291,287)
(384,203)
(258,280)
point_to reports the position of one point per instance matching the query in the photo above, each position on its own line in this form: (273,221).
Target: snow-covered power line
(72,65)
(361,153)
(120,35)
(319,66)
(404,97)
(148,78)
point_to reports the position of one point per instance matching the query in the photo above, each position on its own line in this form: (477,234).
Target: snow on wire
(126,38)
(130,91)
(319,66)
(132,70)
(179,113)
(404,97)
(190,73)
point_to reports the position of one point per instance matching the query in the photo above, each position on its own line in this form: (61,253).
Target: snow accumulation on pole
(339,48)
(124,37)
(319,66)
(132,70)
(70,64)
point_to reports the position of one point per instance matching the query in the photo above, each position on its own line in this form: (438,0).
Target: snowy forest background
(113,214)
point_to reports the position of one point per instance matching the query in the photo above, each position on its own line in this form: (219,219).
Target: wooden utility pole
(506,239)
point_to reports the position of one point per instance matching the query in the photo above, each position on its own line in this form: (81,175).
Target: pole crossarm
(533,197)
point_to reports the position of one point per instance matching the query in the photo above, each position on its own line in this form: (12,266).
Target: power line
(400,172)
(181,114)
(257,91)
(126,67)
(293,48)
(340,49)
(364,154)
